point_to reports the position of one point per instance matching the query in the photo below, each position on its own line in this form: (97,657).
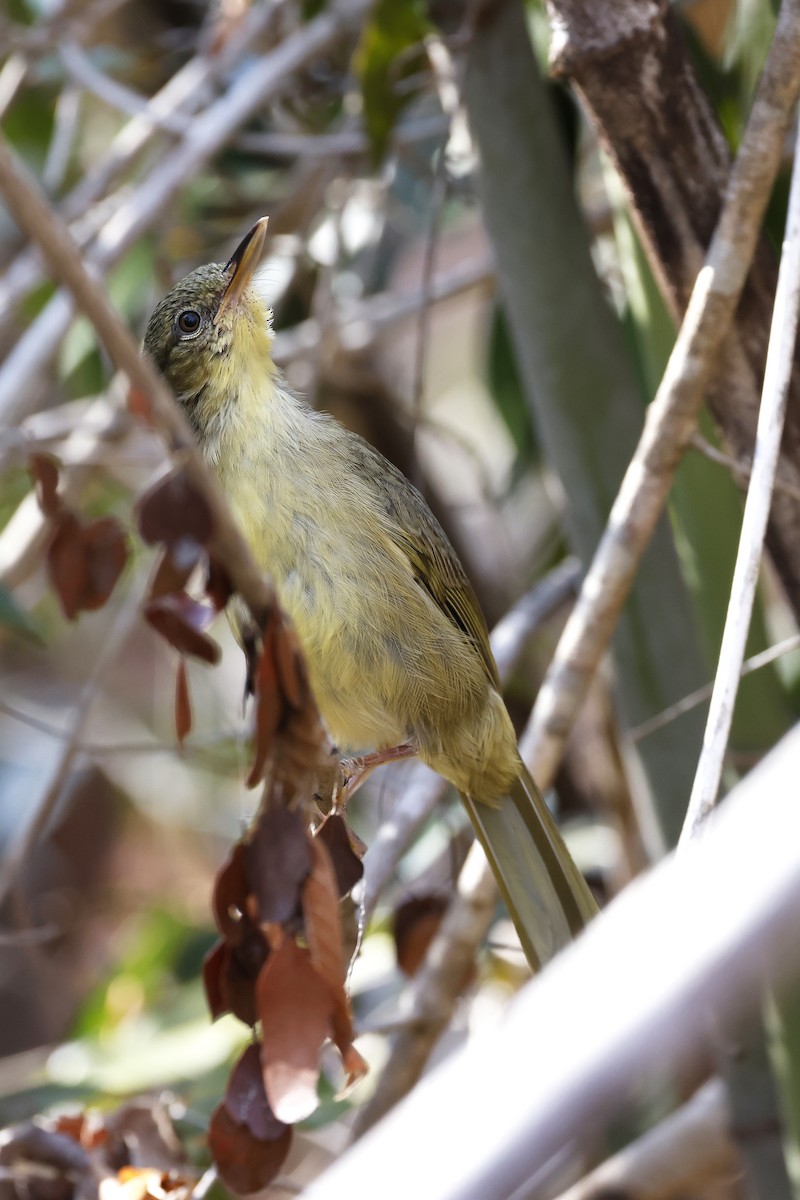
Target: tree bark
(629,64)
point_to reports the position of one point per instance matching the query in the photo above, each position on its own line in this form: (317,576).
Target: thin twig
(13,73)
(116,95)
(436,987)
(365,320)
(672,416)
(197,745)
(438,197)
(777,377)
(740,470)
(341,144)
(687,703)
(65,123)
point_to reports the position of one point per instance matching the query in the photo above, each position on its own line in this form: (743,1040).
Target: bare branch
(683,1154)
(436,988)
(740,470)
(777,377)
(687,703)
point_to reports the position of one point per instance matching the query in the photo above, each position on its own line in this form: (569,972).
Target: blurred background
(391,312)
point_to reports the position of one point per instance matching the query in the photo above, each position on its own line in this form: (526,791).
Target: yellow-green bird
(397,648)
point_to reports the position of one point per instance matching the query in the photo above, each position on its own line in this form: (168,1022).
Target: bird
(396,646)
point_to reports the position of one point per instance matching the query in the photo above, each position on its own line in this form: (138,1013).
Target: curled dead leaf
(246,1100)
(335,835)
(322,922)
(173,568)
(44,471)
(182,621)
(270,706)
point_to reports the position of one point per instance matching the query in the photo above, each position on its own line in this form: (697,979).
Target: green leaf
(508,394)
(382,60)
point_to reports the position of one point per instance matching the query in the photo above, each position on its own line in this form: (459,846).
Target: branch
(739,470)
(687,703)
(672,416)
(777,378)
(574,1046)
(684,1153)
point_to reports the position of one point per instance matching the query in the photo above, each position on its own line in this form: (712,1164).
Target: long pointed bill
(242,267)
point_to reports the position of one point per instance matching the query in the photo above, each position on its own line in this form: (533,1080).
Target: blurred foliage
(388,56)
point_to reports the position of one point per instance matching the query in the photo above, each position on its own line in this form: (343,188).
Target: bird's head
(213,329)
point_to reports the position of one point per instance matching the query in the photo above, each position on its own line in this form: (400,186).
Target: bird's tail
(547,897)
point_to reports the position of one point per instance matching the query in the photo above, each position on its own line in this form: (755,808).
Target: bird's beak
(242,266)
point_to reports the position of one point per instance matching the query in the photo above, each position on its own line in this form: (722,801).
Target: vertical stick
(780,360)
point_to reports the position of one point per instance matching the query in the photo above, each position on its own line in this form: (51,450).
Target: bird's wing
(414,530)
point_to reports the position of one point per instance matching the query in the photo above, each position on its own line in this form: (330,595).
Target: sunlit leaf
(296,1010)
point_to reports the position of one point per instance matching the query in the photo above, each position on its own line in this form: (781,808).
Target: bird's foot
(355,771)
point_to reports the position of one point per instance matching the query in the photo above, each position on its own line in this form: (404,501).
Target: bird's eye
(189,322)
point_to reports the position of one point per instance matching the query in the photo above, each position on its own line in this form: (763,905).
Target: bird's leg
(356,770)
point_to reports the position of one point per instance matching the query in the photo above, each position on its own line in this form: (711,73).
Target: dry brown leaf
(244,1163)
(84,561)
(182,621)
(44,471)
(174,510)
(277,859)
(270,707)
(296,1009)
(289,664)
(323,924)
(246,1100)
(173,569)
(336,837)
(219,588)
